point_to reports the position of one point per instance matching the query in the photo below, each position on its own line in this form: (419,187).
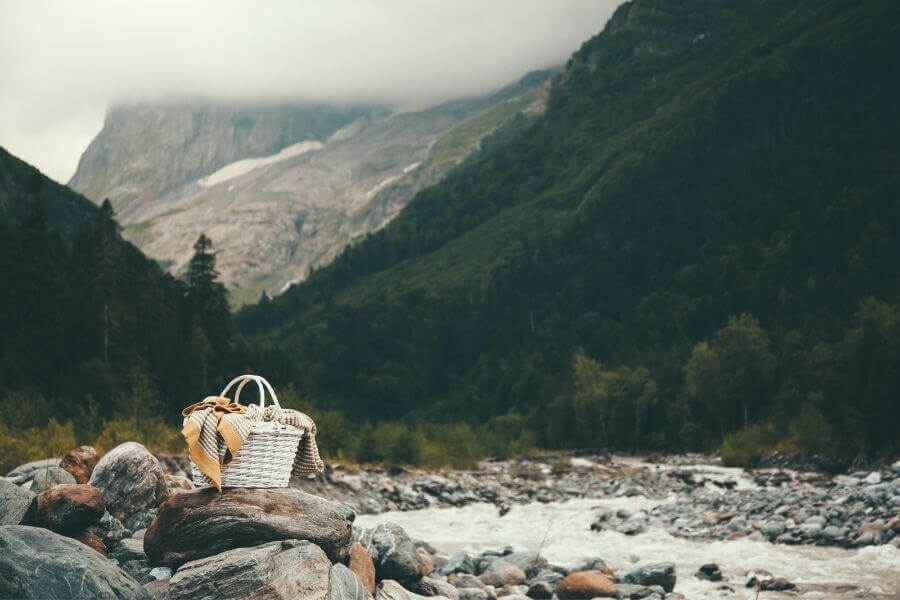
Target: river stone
(528,561)
(37,563)
(362,565)
(282,569)
(128,549)
(158,588)
(662,574)
(67,508)
(500,573)
(709,572)
(345,585)
(14,503)
(540,590)
(459,562)
(202,522)
(430,587)
(586,585)
(46,478)
(391,590)
(393,552)
(80,462)
(109,529)
(130,479)
(91,540)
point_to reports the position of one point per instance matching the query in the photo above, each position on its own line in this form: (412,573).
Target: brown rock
(91,540)
(80,462)
(66,508)
(158,588)
(361,564)
(203,522)
(586,585)
(427,564)
(433,587)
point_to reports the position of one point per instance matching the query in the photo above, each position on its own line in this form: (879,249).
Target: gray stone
(26,472)
(500,572)
(131,479)
(530,562)
(430,587)
(459,562)
(392,590)
(128,549)
(662,574)
(540,590)
(37,563)
(140,520)
(345,585)
(284,569)
(202,522)
(160,572)
(473,594)
(393,552)
(709,572)
(14,503)
(45,478)
(109,529)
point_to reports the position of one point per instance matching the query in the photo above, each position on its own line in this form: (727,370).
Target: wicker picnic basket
(267,456)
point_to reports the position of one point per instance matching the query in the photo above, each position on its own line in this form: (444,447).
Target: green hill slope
(697,160)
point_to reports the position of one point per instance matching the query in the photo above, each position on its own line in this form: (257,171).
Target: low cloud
(63,63)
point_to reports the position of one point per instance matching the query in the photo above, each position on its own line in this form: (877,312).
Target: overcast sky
(63,62)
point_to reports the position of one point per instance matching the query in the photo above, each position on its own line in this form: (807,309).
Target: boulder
(391,590)
(709,572)
(14,502)
(80,462)
(26,472)
(67,508)
(500,573)
(130,479)
(202,522)
(433,587)
(362,565)
(586,585)
(37,563)
(393,552)
(46,478)
(282,569)
(345,585)
(662,574)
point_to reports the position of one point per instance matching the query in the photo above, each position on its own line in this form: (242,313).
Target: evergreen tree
(210,333)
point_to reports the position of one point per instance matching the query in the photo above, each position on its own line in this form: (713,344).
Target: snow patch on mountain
(242,167)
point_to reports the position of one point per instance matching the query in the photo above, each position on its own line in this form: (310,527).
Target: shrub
(745,447)
(152,433)
(52,440)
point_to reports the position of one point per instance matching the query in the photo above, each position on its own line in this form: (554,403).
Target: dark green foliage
(698,160)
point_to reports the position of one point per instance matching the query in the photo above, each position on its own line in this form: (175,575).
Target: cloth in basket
(216,429)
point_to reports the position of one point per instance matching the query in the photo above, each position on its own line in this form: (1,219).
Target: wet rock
(46,478)
(80,462)
(361,563)
(662,574)
(776,584)
(283,569)
(66,508)
(586,584)
(37,563)
(345,585)
(540,590)
(393,552)
(709,572)
(131,479)
(14,502)
(430,587)
(202,522)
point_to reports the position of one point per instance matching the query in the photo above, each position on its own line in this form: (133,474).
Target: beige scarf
(216,428)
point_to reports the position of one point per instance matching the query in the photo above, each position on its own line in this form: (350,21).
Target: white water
(241,167)
(561,532)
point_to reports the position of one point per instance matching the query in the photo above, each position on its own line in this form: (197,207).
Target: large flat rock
(203,522)
(37,563)
(285,569)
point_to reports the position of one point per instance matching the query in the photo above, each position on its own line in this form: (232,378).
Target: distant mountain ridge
(281,190)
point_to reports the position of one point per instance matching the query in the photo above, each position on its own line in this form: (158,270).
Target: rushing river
(561,532)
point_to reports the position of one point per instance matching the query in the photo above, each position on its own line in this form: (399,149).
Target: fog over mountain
(65,63)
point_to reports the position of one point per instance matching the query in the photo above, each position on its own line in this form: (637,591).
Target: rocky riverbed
(555,527)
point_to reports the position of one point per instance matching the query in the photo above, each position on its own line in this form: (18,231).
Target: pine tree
(208,300)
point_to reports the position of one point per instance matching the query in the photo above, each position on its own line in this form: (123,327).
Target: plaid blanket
(216,428)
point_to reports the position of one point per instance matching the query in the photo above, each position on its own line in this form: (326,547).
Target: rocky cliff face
(280,190)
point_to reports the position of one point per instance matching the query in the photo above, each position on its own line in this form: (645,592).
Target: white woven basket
(267,456)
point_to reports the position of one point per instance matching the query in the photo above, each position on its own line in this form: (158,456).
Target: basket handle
(260,382)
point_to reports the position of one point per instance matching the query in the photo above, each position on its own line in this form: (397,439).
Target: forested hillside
(700,236)
(93,331)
